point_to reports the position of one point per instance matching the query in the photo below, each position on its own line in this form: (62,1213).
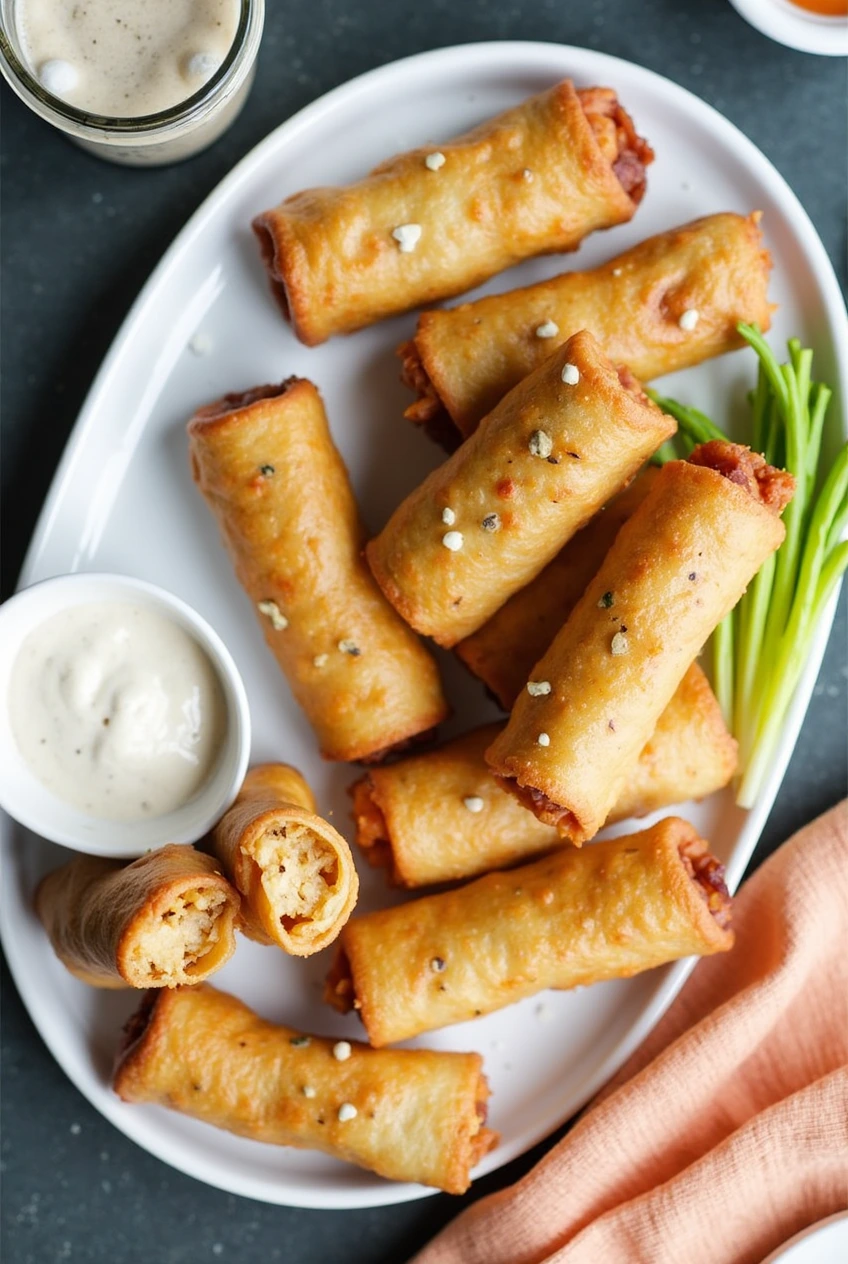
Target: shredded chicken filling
(185,934)
(300,874)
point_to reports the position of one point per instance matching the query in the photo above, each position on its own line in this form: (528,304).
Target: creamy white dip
(125,58)
(117,710)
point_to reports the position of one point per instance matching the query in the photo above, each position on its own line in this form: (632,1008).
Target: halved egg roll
(570,919)
(166,919)
(294,872)
(677,567)
(670,302)
(436,221)
(409,1115)
(503,651)
(442,816)
(267,467)
(489,519)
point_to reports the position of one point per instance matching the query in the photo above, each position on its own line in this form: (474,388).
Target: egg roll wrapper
(462,361)
(420,1113)
(166,919)
(412,817)
(547,458)
(677,567)
(535,180)
(502,653)
(572,918)
(294,872)
(268,469)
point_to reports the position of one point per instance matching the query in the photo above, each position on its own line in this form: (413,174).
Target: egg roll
(572,918)
(442,816)
(294,872)
(677,567)
(166,919)
(489,519)
(266,464)
(503,651)
(409,1115)
(461,362)
(436,221)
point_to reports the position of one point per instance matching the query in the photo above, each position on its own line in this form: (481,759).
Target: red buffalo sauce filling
(773,488)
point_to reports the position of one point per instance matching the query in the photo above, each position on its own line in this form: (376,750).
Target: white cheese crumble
(272,611)
(619,644)
(453,540)
(434,161)
(308,1090)
(547,329)
(320,660)
(347,1111)
(570,374)
(689,319)
(202,66)
(200,345)
(538,688)
(543,739)
(474,803)
(541,444)
(347,646)
(407,237)
(617,271)
(342,1050)
(58,77)
(448,517)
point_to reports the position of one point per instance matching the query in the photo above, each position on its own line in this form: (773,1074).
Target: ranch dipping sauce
(117,710)
(125,58)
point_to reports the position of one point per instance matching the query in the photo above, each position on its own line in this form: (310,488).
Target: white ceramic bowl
(796,27)
(26,799)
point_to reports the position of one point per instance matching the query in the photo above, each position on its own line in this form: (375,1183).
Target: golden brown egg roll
(573,918)
(409,1115)
(503,651)
(434,222)
(677,567)
(489,519)
(442,816)
(461,362)
(294,872)
(268,469)
(166,919)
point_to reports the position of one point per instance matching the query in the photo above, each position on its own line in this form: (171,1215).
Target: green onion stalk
(759,650)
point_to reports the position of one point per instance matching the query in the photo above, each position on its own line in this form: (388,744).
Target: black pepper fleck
(693,576)
(266,470)
(437,965)
(606,601)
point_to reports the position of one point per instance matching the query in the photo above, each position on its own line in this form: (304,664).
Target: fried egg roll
(409,1115)
(503,651)
(294,872)
(268,469)
(570,919)
(166,919)
(489,519)
(434,222)
(670,302)
(677,567)
(442,816)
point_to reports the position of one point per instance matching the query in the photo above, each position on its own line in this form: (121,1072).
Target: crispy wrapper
(442,816)
(419,1115)
(461,362)
(268,469)
(677,567)
(534,472)
(575,917)
(294,872)
(164,920)
(532,181)
(503,651)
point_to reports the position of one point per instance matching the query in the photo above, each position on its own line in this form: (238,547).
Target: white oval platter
(122,500)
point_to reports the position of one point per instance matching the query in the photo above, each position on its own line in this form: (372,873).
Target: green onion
(760,649)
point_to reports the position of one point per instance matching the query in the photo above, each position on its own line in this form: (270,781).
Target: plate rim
(521,56)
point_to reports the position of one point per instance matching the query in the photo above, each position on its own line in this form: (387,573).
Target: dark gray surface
(79,238)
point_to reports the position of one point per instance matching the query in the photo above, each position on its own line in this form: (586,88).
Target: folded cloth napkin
(727,1131)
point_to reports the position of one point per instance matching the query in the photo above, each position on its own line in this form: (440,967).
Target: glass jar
(152,139)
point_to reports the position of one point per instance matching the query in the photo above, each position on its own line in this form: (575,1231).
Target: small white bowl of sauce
(809,26)
(124,722)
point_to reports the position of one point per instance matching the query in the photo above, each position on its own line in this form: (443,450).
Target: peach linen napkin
(727,1131)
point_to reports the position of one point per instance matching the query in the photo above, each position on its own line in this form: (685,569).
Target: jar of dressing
(142,84)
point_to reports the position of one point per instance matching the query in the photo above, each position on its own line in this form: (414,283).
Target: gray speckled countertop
(79,238)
